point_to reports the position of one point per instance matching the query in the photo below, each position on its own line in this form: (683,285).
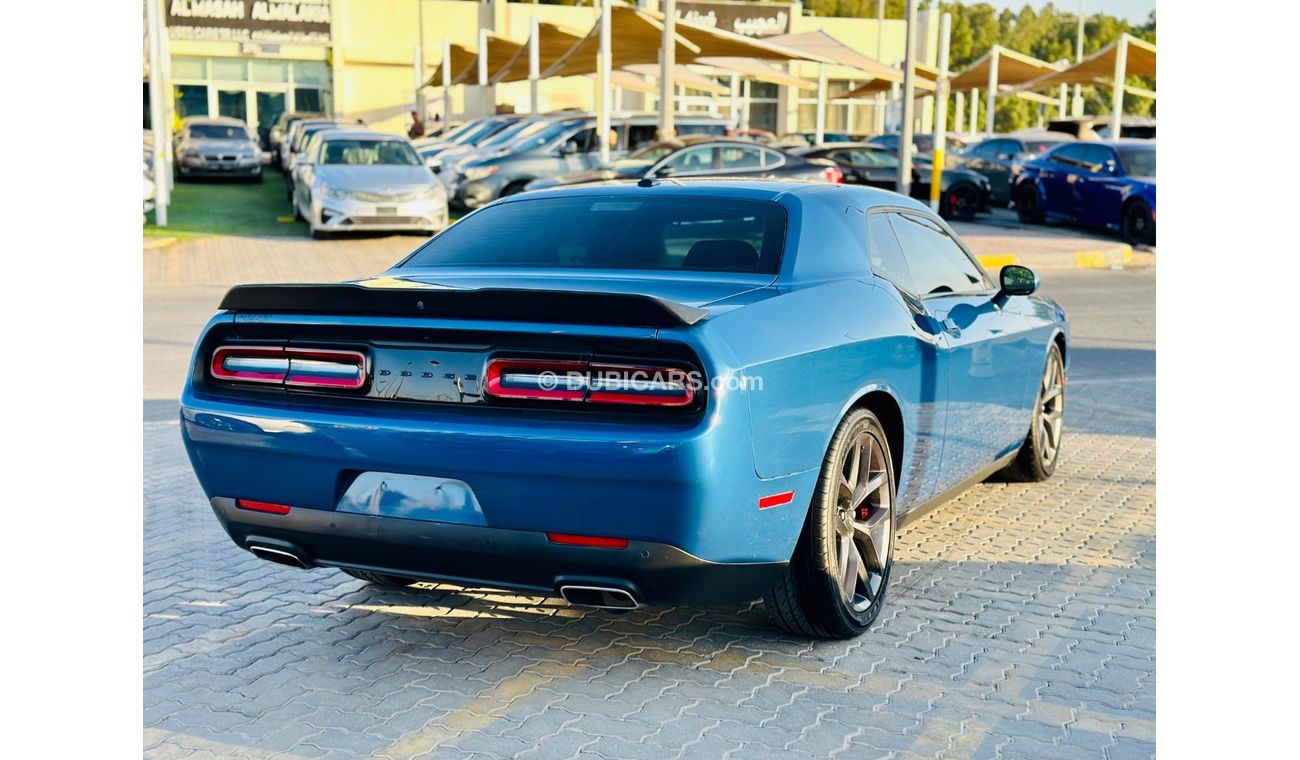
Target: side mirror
(1110,167)
(1017,281)
(1005,156)
(664,171)
(568,149)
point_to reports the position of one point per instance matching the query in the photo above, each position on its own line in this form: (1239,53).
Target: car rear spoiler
(509,304)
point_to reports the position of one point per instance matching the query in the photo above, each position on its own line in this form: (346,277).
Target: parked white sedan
(358,180)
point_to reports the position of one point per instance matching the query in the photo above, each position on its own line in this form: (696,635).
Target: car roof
(357,134)
(862,196)
(225,121)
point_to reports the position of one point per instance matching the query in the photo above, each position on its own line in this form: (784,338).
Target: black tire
(514,188)
(809,599)
(1029,207)
(1041,450)
(1136,223)
(961,201)
(381,579)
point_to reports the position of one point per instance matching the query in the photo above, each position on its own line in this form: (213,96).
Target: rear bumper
(653,573)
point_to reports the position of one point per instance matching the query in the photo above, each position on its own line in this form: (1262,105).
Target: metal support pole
(992,95)
(1062,106)
(940,112)
(975,111)
(819,131)
(735,99)
(1121,69)
(534,66)
(909,84)
(1077,107)
(446,85)
(959,115)
(602,100)
(419,63)
(667,60)
(158,117)
(744,108)
(482,71)
(878,113)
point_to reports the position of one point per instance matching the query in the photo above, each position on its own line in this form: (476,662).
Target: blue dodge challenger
(665,392)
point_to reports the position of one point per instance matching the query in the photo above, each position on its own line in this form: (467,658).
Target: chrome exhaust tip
(604,597)
(278,556)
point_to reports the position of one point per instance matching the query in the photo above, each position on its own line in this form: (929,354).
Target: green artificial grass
(204,207)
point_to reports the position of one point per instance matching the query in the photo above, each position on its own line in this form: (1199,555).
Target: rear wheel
(381,579)
(1029,207)
(961,202)
(1137,225)
(835,584)
(1037,457)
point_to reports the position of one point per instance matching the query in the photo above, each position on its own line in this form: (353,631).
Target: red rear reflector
(569,539)
(262,506)
(776,500)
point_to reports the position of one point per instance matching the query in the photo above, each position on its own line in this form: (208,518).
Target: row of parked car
(341,176)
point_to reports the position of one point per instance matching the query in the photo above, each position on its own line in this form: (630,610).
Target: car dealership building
(252,59)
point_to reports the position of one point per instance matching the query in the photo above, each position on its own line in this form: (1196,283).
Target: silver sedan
(357,180)
(217,147)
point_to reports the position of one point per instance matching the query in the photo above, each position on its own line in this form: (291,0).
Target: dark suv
(566,146)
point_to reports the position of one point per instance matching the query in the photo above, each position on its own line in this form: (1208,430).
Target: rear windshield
(218,132)
(615,232)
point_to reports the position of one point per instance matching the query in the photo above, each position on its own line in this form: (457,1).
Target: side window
(640,134)
(772,158)
(937,263)
(886,257)
(1095,157)
(741,157)
(1070,155)
(987,149)
(692,161)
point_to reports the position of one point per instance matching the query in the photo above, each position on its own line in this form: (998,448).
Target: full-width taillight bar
(591,382)
(293,367)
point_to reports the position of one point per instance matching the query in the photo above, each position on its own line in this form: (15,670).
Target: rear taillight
(290,366)
(833,175)
(591,382)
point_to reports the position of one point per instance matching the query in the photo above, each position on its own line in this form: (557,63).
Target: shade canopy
(681,75)
(756,69)
(1013,69)
(638,34)
(715,43)
(553,41)
(926,76)
(461,57)
(821,44)
(1099,67)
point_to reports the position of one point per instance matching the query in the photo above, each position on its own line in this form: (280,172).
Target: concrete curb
(1111,257)
(155,243)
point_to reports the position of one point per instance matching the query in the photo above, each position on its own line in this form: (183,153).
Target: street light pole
(940,113)
(909,74)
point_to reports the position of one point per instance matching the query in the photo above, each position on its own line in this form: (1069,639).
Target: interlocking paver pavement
(1021,623)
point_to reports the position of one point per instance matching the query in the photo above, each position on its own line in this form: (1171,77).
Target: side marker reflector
(262,506)
(600,542)
(776,500)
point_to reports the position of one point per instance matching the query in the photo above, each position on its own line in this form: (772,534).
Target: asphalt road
(1020,624)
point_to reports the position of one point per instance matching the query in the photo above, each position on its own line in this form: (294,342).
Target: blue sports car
(651,393)
(1111,186)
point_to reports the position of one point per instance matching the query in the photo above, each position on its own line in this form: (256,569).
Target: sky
(1133,10)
